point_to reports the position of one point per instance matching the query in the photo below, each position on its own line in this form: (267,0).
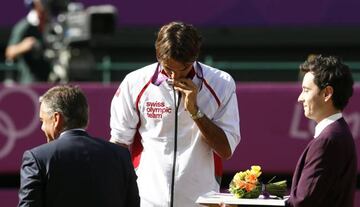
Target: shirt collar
(70,130)
(326,122)
(160,75)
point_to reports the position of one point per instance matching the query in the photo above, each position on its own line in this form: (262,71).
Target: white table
(227,198)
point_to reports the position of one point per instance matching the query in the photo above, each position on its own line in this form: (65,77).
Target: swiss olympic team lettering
(156,109)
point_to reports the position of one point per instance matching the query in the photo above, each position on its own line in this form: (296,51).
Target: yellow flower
(256,169)
(237,179)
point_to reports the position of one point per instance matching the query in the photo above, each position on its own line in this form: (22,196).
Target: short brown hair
(178,41)
(331,71)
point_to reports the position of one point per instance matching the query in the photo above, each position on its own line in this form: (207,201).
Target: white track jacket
(143,115)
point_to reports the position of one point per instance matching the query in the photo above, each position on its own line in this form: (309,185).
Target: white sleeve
(123,115)
(228,119)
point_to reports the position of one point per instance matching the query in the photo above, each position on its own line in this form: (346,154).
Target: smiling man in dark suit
(325,174)
(73,168)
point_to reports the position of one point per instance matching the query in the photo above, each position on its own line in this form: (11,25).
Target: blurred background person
(26,44)
(74,168)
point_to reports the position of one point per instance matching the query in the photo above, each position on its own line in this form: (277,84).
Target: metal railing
(107,66)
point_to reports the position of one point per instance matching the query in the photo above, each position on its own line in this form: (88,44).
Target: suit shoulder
(45,148)
(335,138)
(338,131)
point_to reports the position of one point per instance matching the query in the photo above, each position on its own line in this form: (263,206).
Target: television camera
(70,30)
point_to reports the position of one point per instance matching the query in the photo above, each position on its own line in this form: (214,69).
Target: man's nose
(174,75)
(300,99)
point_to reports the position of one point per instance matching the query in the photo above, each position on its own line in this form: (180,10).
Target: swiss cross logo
(156,109)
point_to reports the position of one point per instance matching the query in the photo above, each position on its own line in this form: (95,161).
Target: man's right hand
(22,47)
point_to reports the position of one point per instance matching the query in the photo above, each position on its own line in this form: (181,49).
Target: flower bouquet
(247,185)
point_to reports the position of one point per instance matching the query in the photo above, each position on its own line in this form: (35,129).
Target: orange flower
(251,178)
(240,184)
(250,187)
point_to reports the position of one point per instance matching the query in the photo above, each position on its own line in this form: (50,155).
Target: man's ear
(328,93)
(58,121)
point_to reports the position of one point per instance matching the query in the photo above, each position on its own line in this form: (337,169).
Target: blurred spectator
(26,44)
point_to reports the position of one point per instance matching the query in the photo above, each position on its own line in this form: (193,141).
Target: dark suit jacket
(325,174)
(78,170)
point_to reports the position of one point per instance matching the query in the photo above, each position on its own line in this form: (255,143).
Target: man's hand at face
(189,91)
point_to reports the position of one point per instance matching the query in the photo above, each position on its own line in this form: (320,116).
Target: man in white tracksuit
(179,117)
